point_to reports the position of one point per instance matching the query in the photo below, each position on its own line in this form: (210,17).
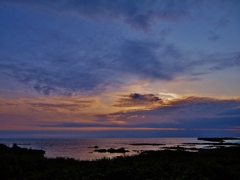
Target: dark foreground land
(222,163)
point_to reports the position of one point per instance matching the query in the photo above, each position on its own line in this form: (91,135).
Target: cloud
(72,73)
(165,32)
(184,117)
(137,14)
(63,74)
(231,112)
(69,107)
(105,127)
(79,125)
(164,61)
(223,61)
(186,113)
(150,59)
(213,36)
(212,123)
(139,21)
(42,105)
(144,97)
(223,22)
(58,55)
(136,99)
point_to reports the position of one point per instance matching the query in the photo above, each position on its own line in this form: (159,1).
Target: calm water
(83,149)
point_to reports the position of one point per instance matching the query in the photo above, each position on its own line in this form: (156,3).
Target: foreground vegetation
(222,163)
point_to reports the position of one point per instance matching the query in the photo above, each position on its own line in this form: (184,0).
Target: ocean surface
(84,149)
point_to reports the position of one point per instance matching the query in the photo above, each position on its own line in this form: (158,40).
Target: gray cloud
(140,15)
(70,58)
(213,36)
(59,81)
(189,124)
(137,14)
(164,61)
(222,22)
(136,99)
(223,61)
(152,60)
(188,113)
(67,74)
(231,112)
(144,97)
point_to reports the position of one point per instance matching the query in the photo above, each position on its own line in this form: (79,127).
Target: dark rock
(146,144)
(112,150)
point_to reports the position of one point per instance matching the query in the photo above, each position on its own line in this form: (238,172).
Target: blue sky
(153,68)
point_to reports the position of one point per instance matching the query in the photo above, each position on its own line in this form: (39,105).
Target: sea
(85,149)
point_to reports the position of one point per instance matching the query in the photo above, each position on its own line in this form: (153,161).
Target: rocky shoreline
(219,163)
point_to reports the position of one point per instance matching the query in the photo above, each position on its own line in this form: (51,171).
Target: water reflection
(83,149)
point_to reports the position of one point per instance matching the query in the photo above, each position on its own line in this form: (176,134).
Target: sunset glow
(119,68)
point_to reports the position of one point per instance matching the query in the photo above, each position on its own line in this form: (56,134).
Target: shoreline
(22,163)
(96,149)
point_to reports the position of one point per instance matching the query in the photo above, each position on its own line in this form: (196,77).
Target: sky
(122,68)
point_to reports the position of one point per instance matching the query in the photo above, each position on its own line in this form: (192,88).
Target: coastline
(21,163)
(91,149)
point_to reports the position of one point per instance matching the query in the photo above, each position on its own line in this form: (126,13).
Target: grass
(221,163)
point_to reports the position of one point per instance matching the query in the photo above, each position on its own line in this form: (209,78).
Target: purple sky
(122,68)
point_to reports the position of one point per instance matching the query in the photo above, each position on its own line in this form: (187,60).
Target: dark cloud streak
(136,99)
(187,113)
(70,107)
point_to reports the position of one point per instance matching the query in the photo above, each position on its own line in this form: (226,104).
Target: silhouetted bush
(222,163)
